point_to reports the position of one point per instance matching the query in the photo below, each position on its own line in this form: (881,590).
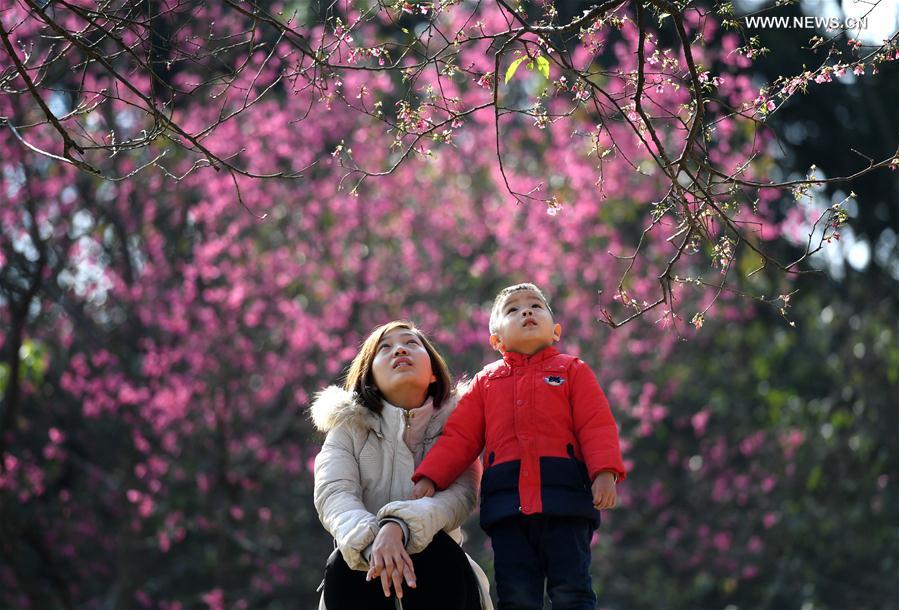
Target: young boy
(552,457)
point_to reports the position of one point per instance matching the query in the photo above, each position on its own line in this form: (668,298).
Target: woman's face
(402,368)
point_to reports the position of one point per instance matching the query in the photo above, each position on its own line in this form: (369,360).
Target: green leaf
(543,66)
(513,67)
(34,360)
(841,419)
(814,478)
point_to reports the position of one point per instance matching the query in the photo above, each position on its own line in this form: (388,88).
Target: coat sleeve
(594,425)
(461,442)
(338,498)
(446,510)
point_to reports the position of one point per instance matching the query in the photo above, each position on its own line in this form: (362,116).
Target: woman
(389,413)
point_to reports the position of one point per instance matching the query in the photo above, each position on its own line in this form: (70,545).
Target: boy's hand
(425,488)
(604,492)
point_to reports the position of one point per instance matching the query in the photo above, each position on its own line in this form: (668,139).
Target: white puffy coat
(363,475)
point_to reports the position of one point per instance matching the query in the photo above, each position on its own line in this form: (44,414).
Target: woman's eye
(511,310)
(383,347)
(411,342)
(537,305)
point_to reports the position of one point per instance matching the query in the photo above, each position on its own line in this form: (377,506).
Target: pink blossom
(699,421)
(145,507)
(214,599)
(486,81)
(722,541)
(791,441)
(165,542)
(52,452)
(751,444)
(755,544)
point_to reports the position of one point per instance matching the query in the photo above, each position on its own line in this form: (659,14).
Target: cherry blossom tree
(653,87)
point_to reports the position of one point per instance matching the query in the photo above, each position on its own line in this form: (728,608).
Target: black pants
(443,577)
(533,550)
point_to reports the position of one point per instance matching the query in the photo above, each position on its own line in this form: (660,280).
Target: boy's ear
(496,343)
(557,332)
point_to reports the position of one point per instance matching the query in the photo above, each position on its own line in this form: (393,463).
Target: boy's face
(525,324)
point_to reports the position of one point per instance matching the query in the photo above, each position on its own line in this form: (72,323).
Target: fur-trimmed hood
(335,406)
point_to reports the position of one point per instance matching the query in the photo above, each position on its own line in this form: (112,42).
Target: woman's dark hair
(360,378)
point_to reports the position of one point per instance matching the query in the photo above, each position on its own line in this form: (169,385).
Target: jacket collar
(515,359)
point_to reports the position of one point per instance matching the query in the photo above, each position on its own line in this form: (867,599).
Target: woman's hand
(390,561)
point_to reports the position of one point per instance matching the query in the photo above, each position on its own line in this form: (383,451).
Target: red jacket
(547,429)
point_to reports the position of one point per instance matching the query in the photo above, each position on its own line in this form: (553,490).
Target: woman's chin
(408,393)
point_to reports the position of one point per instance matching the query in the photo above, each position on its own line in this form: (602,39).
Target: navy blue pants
(533,551)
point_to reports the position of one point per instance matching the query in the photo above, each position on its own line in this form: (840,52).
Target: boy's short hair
(495,312)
